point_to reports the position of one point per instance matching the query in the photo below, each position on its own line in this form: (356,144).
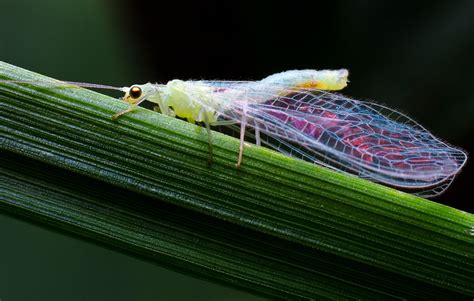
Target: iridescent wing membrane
(361,138)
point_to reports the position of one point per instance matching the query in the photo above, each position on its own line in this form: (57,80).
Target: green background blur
(416,57)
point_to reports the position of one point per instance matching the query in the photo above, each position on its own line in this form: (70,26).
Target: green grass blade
(360,223)
(192,242)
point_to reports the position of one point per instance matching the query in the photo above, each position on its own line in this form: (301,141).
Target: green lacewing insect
(296,112)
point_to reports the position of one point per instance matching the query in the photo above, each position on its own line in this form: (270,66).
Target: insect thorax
(191,100)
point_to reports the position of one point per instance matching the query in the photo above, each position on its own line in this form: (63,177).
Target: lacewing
(294,113)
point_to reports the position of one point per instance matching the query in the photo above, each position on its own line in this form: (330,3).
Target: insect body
(293,113)
(203,100)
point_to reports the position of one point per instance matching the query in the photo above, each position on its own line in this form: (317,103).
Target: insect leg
(117,115)
(209,139)
(162,108)
(131,108)
(243,124)
(215,123)
(258,142)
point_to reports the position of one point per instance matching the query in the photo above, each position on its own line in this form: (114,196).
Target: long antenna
(64,83)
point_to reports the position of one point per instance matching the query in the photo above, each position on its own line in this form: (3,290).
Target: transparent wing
(365,139)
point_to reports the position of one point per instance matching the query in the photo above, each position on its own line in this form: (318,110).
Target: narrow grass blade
(279,197)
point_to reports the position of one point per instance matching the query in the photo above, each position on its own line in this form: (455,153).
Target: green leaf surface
(277,226)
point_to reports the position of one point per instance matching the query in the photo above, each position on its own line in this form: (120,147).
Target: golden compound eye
(135,92)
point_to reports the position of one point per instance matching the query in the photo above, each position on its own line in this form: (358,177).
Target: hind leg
(243,124)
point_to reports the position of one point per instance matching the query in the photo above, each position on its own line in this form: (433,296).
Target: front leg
(119,114)
(131,108)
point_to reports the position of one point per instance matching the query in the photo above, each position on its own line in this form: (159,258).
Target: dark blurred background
(414,56)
